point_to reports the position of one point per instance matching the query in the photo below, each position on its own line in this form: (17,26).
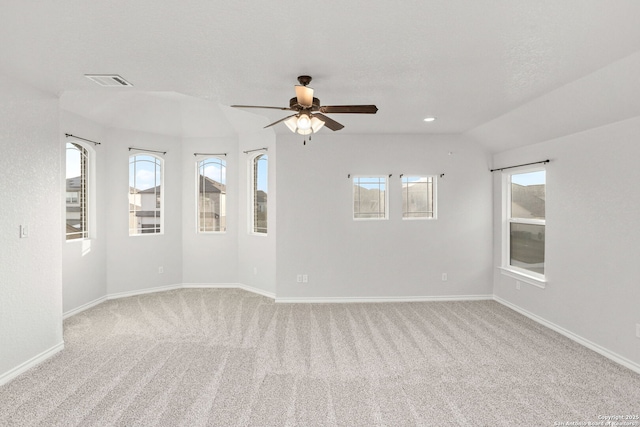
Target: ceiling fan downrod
(304,80)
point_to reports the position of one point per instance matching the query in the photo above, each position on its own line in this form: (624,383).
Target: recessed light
(429,119)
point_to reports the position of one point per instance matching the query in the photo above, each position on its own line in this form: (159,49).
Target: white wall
(210,258)
(592,236)
(30,268)
(133,261)
(257,253)
(390,258)
(84,272)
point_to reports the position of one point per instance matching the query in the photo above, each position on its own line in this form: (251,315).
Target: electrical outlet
(637,330)
(445,277)
(305,278)
(518,284)
(160,270)
(299,278)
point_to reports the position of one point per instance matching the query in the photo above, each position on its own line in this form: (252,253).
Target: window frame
(253,192)
(521,274)
(386,197)
(160,197)
(89,189)
(198,164)
(434,197)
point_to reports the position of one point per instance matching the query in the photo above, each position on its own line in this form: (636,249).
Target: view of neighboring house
(417,198)
(212,201)
(527,201)
(76,221)
(260,212)
(527,240)
(144,210)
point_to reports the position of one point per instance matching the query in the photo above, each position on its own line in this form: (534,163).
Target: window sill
(84,239)
(524,277)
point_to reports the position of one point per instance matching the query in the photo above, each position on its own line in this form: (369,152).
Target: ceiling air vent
(109,80)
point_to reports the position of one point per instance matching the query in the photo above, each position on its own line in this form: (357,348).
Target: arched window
(145,194)
(212,195)
(258,191)
(77,191)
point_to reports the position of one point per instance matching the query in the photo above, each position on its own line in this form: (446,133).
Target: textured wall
(388,258)
(592,236)
(133,262)
(84,270)
(257,254)
(209,257)
(30,268)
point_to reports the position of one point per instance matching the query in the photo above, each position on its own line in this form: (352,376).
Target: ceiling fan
(310,115)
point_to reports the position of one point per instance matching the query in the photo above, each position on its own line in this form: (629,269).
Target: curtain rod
(257,149)
(84,139)
(210,154)
(144,149)
(517,166)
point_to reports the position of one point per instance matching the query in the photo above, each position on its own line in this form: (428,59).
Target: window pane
(417,197)
(76,197)
(212,190)
(369,197)
(145,201)
(527,246)
(260,186)
(528,195)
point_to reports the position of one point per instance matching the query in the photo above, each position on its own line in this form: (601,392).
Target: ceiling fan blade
(357,109)
(330,123)
(259,106)
(281,120)
(304,95)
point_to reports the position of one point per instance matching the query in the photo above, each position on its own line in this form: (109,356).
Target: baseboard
(231,286)
(83,307)
(36,360)
(333,300)
(257,291)
(143,291)
(577,338)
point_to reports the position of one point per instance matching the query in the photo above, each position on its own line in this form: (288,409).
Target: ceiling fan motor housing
(293,104)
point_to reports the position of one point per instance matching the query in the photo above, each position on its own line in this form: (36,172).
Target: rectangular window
(524,248)
(418,200)
(370,197)
(259,186)
(77,195)
(212,195)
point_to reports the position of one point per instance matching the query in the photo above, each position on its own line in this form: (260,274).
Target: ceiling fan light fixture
(304,121)
(292,123)
(305,131)
(316,124)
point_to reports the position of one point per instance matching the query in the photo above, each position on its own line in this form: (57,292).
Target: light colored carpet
(214,357)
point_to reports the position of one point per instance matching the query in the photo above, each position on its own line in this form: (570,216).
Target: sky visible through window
(262,176)
(531,178)
(146,175)
(216,172)
(73,162)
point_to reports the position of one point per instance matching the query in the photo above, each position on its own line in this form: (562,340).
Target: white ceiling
(480,66)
